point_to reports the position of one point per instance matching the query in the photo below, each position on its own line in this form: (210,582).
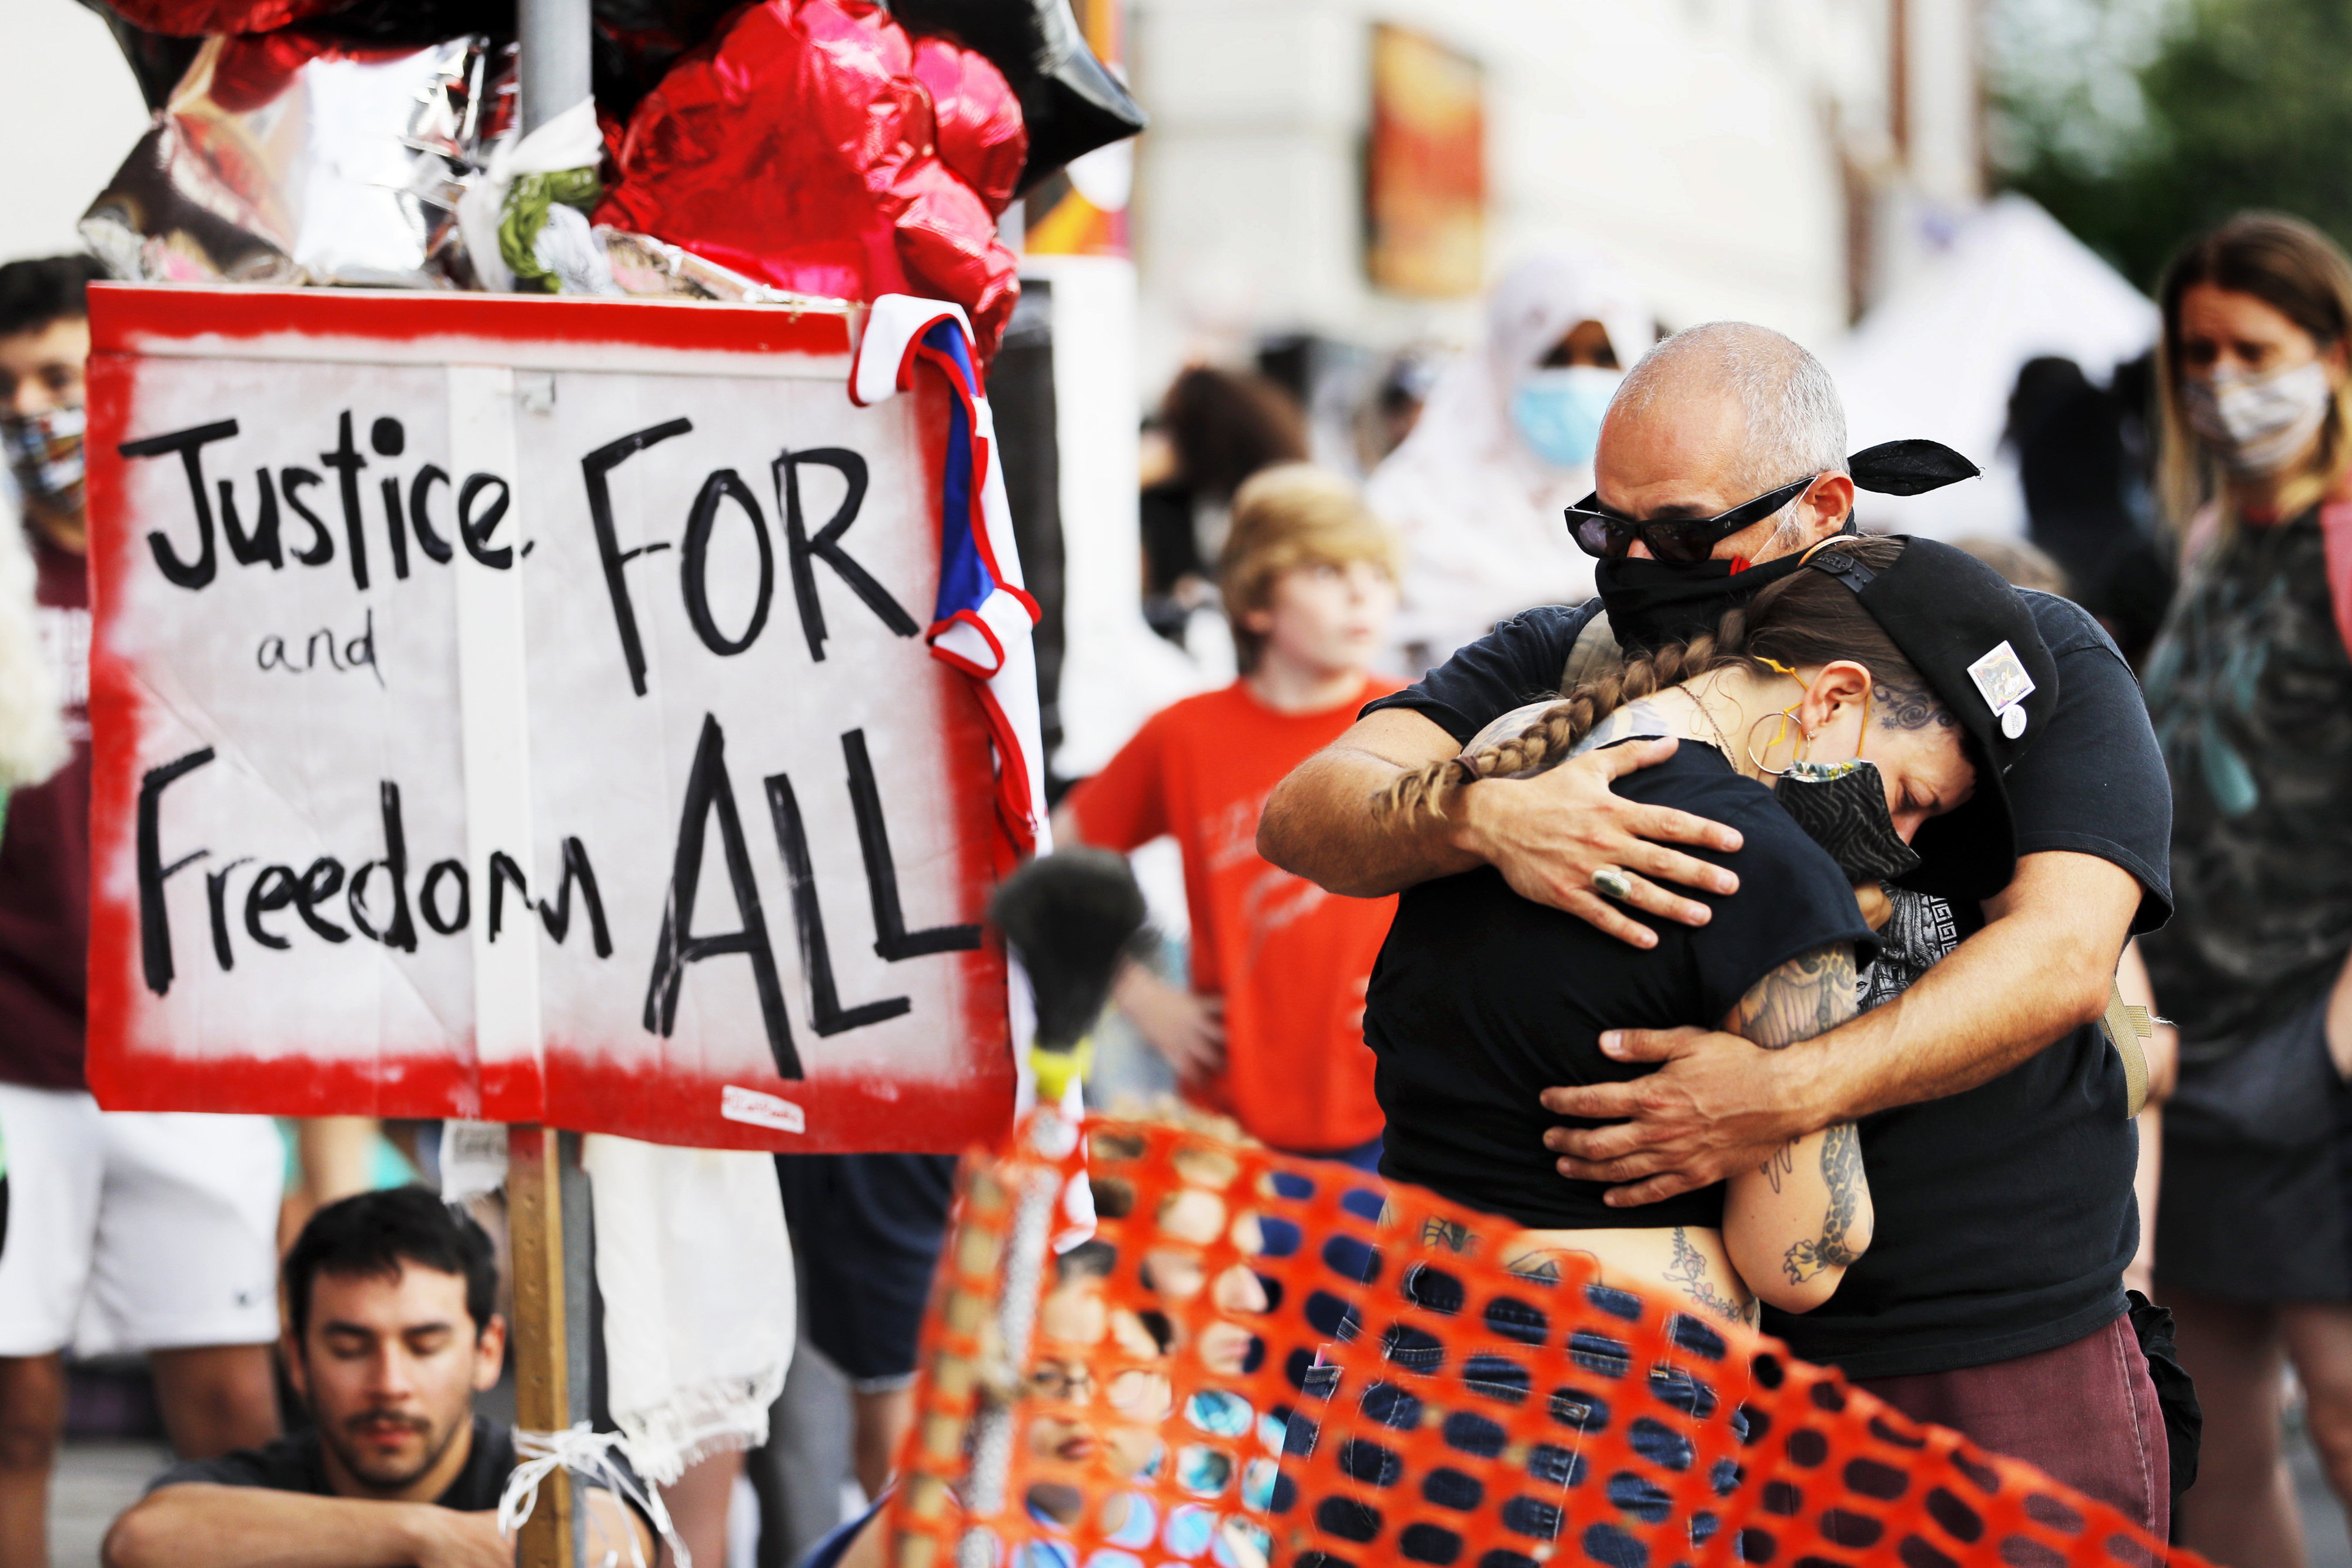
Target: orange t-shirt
(1290,959)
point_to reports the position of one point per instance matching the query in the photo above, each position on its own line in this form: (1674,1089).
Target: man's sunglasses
(1681,540)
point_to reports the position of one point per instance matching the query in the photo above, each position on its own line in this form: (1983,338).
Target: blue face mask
(1558,411)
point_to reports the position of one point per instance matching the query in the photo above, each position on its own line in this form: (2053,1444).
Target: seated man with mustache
(390,1334)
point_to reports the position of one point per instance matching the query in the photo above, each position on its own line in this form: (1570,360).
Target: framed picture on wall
(1425,174)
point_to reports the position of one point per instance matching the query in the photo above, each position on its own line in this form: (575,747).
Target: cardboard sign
(578,712)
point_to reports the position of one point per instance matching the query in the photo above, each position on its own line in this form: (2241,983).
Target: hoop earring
(1787,717)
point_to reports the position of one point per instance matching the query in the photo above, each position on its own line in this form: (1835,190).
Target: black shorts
(2256,1203)
(867,1234)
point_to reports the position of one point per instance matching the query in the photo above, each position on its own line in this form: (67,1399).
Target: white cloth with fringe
(696,1268)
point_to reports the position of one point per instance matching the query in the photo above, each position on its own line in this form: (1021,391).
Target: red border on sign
(134,318)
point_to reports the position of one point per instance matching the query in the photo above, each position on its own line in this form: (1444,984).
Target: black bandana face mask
(1651,603)
(1842,806)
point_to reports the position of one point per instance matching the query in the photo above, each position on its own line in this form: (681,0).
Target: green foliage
(2248,104)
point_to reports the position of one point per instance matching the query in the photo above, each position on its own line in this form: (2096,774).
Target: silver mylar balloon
(285,159)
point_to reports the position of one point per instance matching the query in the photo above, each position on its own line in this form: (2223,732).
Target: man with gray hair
(1993,1114)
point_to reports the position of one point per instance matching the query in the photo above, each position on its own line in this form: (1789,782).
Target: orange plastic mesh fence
(1264,1365)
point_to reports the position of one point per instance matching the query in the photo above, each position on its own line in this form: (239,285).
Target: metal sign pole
(551,1256)
(554,36)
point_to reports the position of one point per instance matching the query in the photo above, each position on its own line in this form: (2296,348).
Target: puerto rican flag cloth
(980,623)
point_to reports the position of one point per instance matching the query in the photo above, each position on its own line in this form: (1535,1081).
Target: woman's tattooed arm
(1791,1232)
(1808,995)
(1842,1175)
(1687,1272)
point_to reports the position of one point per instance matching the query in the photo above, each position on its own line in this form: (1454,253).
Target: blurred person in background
(2251,689)
(1503,443)
(2085,463)
(1271,1030)
(1400,394)
(32,734)
(866,1233)
(151,1232)
(2019,564)
(1213,430)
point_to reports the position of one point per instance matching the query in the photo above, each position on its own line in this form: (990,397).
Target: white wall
(76,113)
(1698,139)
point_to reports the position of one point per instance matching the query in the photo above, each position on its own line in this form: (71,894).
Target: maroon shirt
(45,858)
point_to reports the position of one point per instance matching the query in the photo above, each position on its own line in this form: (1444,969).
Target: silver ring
(1612,882)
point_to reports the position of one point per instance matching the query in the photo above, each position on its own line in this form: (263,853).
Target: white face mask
(2259,425)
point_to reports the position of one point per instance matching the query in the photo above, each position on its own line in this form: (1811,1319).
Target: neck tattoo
(1721,740)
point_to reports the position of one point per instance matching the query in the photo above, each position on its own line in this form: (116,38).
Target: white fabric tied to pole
(570,140)
(587,1454)
(696,1268)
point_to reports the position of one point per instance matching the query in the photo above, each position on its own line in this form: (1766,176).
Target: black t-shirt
(295,1463)
(2094,783)
(1482,999)
(2005,1215)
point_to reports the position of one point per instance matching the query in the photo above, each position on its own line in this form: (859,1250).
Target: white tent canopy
(1939,355)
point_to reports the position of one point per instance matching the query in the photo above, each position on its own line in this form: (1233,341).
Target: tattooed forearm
(1808,995)
(1450,1234)
(1547,1263)
(1688,1271)
(1841,1174)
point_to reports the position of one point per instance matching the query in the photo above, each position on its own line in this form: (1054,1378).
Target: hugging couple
(1847,1080)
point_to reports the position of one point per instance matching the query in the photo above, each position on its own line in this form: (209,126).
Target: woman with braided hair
(1812,730)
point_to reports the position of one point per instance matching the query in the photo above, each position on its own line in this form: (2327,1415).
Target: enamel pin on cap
(2001,680)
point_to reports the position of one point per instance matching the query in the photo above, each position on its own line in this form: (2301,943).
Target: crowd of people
(1599,829)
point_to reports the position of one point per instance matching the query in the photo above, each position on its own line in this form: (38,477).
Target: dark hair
(1806,618)
(373,1233)
(1225,426)
(47,288)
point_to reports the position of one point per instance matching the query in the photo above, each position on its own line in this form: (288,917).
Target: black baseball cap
(1972,638)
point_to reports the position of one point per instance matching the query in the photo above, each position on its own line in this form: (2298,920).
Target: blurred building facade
(1783,161)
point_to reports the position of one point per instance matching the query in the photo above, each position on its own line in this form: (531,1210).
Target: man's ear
(490,1353)
(1827,507)
(298,1370)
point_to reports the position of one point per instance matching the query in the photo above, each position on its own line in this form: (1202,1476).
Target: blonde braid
(1553,736)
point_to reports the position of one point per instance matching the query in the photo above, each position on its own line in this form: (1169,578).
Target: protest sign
(578,712)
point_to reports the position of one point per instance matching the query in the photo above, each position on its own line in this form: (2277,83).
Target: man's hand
(1549,834)
(1718,1105)
(2039,968)
(445,1538)
(1188,1030)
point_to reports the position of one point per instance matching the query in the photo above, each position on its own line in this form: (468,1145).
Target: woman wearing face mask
(1826,721)
(1504,442)
(2251,690)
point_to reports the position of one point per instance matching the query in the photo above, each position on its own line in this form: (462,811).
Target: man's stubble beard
(334,1437)
(1788,536)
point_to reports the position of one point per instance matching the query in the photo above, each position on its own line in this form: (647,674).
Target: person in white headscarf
(1504,444)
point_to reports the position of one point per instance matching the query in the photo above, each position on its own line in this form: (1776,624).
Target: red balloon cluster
(814,145)
(198,18)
